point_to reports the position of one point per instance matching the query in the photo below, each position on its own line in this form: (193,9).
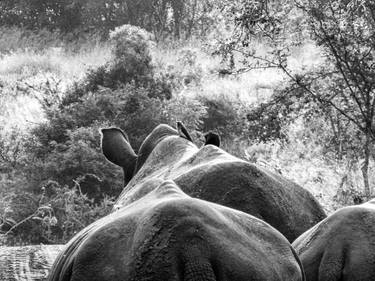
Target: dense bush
(53,216)
(224,115)
(267,120)
(130,63)
(62,156)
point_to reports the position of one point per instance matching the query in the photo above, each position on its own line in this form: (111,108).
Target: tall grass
(31,60)
(64,63)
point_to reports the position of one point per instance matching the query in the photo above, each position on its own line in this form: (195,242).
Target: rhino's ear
(212,138)
(182,131)
(117,149)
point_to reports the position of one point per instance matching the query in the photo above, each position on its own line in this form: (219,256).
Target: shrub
(53,216)
(190,71)
(267,120)
(224,115)
(130,64)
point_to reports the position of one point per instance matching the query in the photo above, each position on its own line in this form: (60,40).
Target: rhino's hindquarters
(177,238)
(196,264)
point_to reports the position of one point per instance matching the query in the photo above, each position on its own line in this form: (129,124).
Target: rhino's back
(244,186)
(214,175)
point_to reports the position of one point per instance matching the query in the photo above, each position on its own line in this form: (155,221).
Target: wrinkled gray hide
(341,247)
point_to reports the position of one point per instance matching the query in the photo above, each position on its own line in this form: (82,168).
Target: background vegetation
(287,84)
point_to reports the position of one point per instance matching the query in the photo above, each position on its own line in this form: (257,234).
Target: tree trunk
(177,7)
(191,21)
(365,166)
(27,263)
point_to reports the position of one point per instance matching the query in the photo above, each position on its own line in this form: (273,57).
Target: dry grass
(24,72)
(249,87)
(20,111)
(196,73)
(67,66)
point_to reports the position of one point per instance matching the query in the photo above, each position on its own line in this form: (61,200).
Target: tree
(161,17)
(344,30)
(64,15)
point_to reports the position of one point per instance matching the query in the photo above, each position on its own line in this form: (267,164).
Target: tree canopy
(162,17)
(344,30)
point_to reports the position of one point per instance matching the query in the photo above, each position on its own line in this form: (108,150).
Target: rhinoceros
(211,174)
(168,235)
(173,220)
(341,247)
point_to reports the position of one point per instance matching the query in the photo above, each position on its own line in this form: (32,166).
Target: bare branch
(339,65)
(323,101)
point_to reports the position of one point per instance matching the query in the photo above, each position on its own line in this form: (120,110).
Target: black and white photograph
(187,140)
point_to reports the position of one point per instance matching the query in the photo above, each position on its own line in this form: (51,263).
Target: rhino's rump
(165,237)
(341,247)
